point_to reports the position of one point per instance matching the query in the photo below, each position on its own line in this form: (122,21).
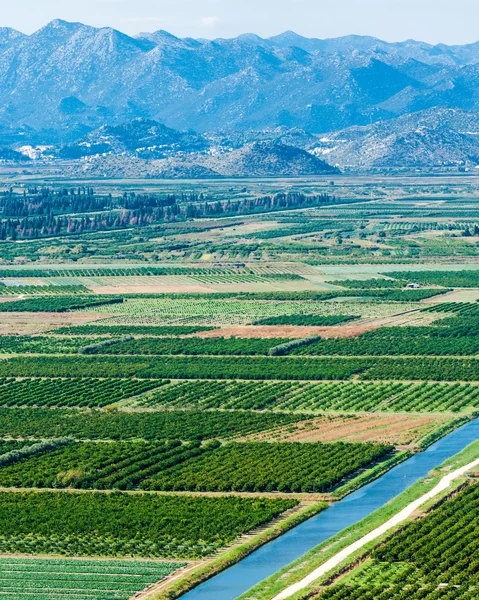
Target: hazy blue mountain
(71,78)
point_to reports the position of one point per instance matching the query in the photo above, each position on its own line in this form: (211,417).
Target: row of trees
(44,213)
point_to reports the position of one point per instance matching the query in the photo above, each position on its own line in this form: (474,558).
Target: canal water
(278,553)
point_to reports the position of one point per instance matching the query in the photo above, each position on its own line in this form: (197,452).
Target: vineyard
(313,397)
(466,309)
(266,467)
(193,346)
(457,340)
(169,311)
(103,425)
(139,525)
(39,345)
(428,553)
(308,320)
(151,330)
(84,392)
(254,467)
(47,579)
(43,290)
(58,303)
(230,367)
(368,284)
(239,395)
(245,367)
(118,272)
(450,279)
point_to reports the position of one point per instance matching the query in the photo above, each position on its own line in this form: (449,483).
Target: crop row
(407,589)
(25,344)
(245,367)
(7,446)
(163,425)
(147,525)
(43,290)
(295,396)
(254,467)
(192,346)
(389,341)
(239,395)
(307,320)
(58,303)
(368,284)
(222,279)
(450,279)
(79,579)
(151,330)
(458,308)
(117,271)
(259,467)
(191,367)
(74,392)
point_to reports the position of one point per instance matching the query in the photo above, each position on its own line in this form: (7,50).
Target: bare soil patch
(286,331)
(27,323)
(395,429)
(414,318)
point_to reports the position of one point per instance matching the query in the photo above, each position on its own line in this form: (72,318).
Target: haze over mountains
(336,98)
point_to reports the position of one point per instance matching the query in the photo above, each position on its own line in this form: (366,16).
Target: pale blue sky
(448,21)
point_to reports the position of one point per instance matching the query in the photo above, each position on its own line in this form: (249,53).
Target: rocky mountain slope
(431,138)
(141,137)
(258,159)
(68,79)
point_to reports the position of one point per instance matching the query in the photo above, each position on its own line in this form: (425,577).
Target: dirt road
(402,516)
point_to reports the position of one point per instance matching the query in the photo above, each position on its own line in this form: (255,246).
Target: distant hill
(264,159)
(80,91)
(432,138)
(259,159)
(142,137)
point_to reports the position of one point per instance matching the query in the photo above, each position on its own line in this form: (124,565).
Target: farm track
(305,498)
(397,519)
(249,356)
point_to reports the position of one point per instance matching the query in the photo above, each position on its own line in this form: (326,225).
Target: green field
(51,579)
(188,369)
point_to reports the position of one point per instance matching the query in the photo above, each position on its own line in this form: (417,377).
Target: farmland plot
(71,392)
(429,558)
(244,467)
(116,425)
(120,524)
(315,397)
(53,579)
(238,312)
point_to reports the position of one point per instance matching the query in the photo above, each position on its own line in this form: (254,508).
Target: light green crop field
(52,579)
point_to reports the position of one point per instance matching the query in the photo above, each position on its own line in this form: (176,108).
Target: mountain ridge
(241,83)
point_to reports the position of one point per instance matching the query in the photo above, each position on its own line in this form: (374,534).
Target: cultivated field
(176,391)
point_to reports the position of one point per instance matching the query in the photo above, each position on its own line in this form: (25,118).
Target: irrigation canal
(231,583)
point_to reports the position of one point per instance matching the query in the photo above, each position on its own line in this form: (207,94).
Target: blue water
(278,553)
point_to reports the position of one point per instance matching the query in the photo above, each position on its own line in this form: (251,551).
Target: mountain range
(360,94)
